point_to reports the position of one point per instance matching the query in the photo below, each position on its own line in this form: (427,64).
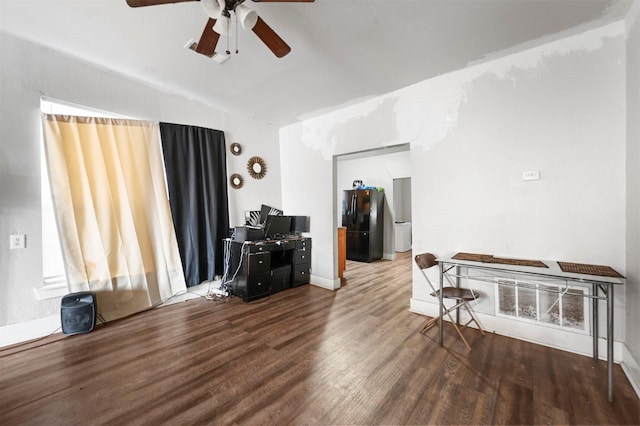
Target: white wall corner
(325,283)
(631,368)
(389,256)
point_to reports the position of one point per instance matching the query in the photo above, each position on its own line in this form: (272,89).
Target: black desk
(256,269)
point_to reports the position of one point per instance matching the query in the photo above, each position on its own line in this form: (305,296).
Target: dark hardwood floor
(302,356)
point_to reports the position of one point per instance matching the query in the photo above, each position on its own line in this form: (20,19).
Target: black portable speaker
(78,312)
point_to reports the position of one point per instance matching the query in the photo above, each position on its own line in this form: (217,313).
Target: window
(53,274)
(54,281)
(555,305)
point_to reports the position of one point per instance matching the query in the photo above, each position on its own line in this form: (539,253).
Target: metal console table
(601,280)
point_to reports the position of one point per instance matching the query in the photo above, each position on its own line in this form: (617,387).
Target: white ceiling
(343,51)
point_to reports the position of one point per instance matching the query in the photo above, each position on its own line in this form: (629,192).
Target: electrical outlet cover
(17,241)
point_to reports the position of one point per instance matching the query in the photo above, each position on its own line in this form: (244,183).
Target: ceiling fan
(219,12)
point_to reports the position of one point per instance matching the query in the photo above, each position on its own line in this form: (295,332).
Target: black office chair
(461,296)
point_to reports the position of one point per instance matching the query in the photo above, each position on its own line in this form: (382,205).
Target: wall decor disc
(236,181)
(257,167)
(236,148)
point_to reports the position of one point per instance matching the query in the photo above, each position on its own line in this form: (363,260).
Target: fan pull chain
(236,32)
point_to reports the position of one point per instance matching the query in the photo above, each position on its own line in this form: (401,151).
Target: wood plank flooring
(302,356)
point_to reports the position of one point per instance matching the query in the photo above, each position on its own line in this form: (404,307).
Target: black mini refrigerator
(363,216)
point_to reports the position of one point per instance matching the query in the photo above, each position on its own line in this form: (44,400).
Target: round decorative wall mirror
(236,181)
(257,167)
(236,148)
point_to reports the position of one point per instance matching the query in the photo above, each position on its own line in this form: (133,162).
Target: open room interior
(511,127)
(305,356)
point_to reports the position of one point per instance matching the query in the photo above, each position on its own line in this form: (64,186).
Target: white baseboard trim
(22,332)
(29,330)
(631,368)
(580,344)
(325,283)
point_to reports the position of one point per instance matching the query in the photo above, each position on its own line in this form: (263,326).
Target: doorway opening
(388,170)
(402,210)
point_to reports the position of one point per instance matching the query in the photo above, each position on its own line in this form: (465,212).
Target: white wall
(631,361)
(29,71)
(558,108)
(309,181)
(256,140)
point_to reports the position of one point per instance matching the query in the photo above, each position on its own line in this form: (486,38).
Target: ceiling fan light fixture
(248,17)
(223,26)
(211,8)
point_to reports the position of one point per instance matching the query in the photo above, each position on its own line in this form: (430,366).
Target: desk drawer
(304,243)
(258,285)
(258,248)
(301,256)
(300,274)
(258,263)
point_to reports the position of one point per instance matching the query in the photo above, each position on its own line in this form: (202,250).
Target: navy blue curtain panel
(195,163)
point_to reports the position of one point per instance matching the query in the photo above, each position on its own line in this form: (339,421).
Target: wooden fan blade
(271,39)
(139,3)
(208,40)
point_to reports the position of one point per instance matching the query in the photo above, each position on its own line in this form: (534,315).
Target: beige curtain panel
(109,194)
